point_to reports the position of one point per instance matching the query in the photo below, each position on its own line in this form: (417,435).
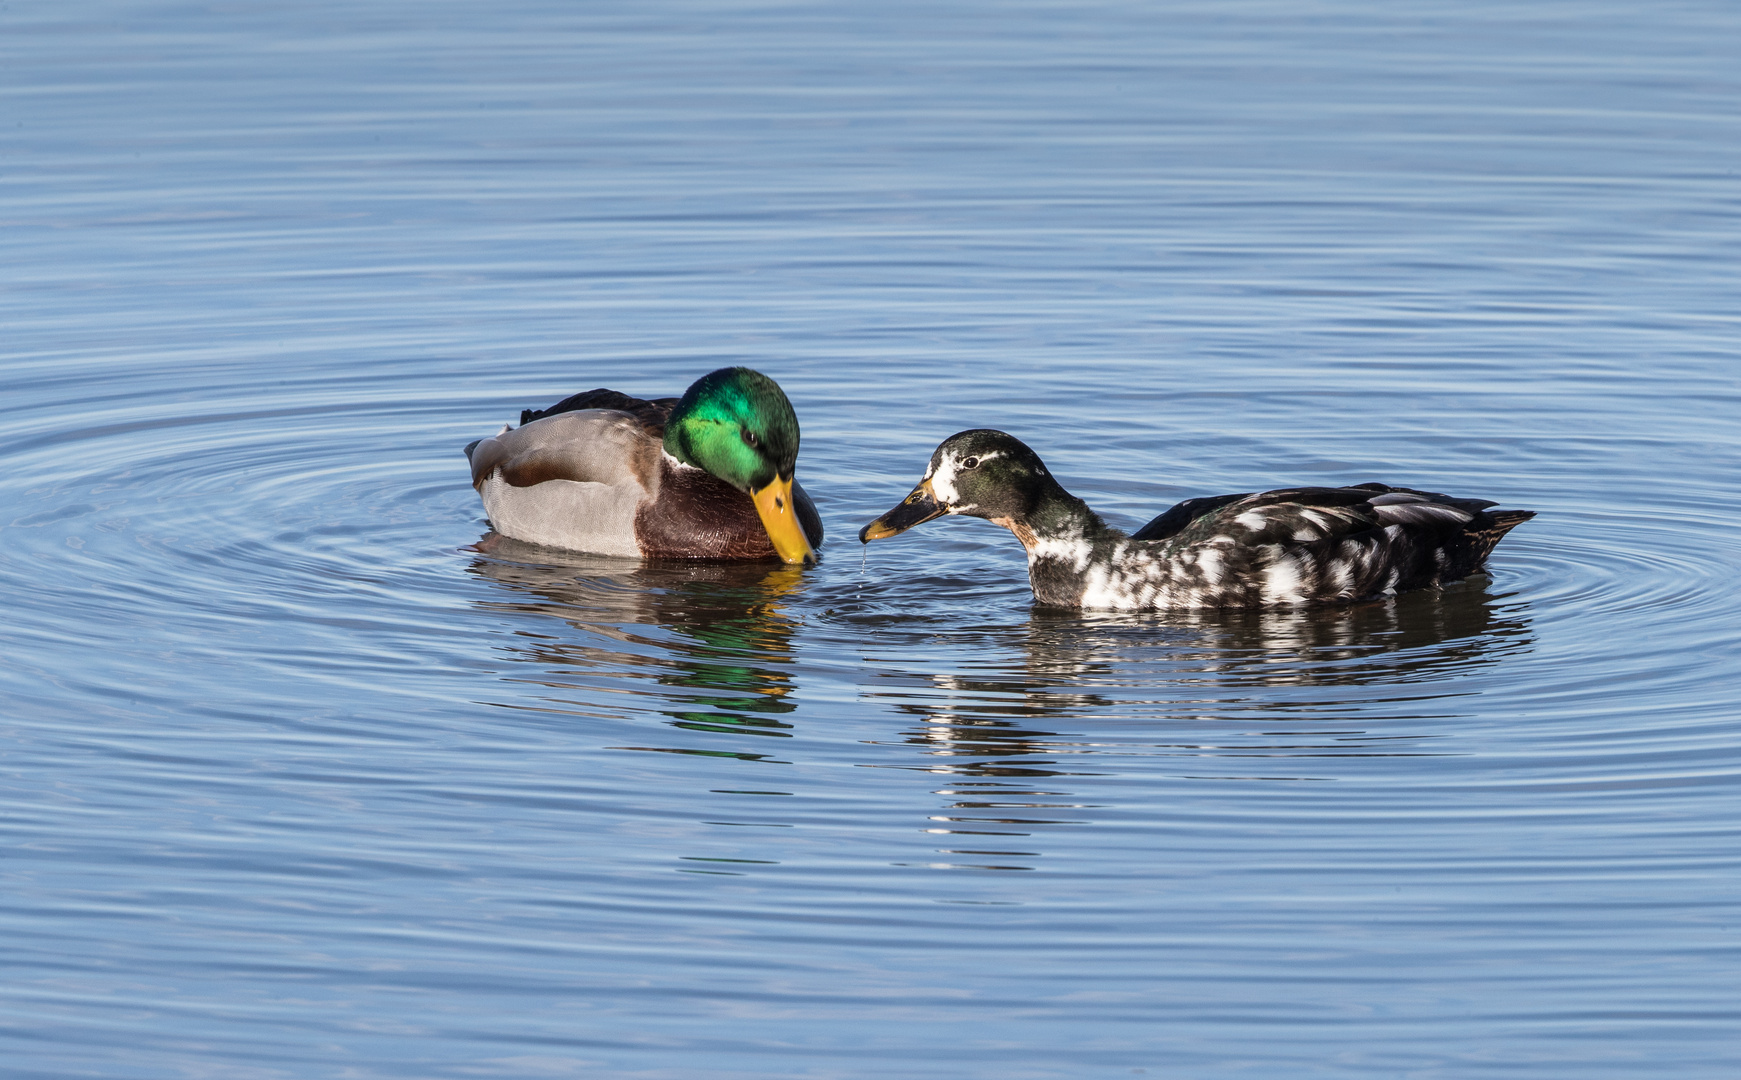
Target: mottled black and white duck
(709,475)
(1291,546)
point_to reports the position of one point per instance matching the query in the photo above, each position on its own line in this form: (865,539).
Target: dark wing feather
(1471,505)
(1354,542)
(652,414)
(1283,516)
(1491,529)
(1309,514)
(1173,521)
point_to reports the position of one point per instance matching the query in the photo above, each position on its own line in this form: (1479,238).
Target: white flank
(566,514)
(1282,581)
(1252,519)
(1073,550)
(1342,571)
(1209,565)
(1106,588)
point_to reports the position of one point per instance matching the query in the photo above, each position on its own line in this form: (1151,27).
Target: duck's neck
(1063,538)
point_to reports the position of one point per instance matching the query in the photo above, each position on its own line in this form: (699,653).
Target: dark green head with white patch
(737,425)
(982,473)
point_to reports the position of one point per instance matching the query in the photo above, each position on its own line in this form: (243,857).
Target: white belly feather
(571,514)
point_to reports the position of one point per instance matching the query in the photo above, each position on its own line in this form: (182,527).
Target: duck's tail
(1493,530)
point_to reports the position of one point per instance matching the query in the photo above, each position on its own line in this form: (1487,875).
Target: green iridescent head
(737,424)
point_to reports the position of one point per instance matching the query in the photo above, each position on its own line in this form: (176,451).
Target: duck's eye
(970,463)
(750,439)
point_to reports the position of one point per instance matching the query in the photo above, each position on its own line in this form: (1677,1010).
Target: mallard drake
(1290,546)
(705,476)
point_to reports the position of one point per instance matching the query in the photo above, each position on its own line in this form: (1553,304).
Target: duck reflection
(1372,680)
(715,637)
(1416,637)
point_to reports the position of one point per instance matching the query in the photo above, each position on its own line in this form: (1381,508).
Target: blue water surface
(295,781)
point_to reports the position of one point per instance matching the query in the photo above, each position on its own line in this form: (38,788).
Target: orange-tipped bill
(780,518)
(916,509)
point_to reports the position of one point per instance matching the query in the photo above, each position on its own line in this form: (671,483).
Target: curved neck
(1060,513)
(1057,523)
(1064,540)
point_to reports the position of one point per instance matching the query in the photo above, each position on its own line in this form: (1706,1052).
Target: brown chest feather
(699,516)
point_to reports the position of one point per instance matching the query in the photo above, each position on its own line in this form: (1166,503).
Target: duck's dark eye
(750,439)
(970,463)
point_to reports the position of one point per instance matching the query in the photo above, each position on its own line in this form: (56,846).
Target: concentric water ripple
(304,773)
(337,517)
(297,616)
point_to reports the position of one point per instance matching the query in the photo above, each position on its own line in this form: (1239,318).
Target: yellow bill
(780,518)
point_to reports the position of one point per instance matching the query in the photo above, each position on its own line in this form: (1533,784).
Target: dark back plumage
(652,414)
(1346,543)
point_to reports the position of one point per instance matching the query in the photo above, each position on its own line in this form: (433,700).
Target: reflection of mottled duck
(1291,546)
(707,476)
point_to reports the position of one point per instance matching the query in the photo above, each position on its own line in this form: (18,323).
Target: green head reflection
(714,638)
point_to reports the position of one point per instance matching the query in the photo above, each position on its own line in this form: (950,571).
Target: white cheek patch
(942,478)
(943,481)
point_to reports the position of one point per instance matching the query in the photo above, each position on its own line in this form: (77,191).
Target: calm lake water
(298,783)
